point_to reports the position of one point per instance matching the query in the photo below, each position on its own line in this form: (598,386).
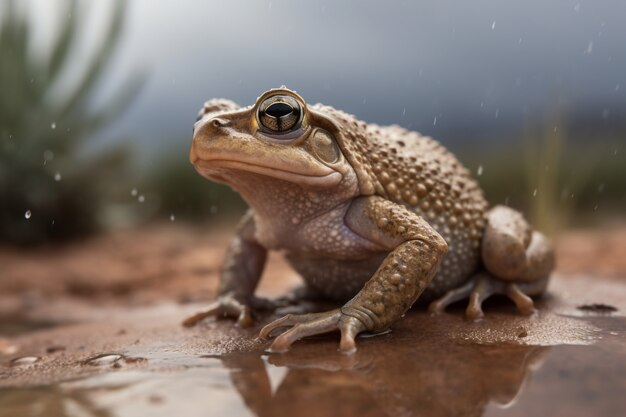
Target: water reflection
(427,379)
(432,378)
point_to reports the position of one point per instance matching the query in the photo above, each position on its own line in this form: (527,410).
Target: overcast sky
(452,69)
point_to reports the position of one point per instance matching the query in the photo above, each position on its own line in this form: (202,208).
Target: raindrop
(133,192)
(104,359)
(535,192)
(519,41)
(404,111)
(595,208)
(213,209)
(613,333)
(25,361)
(601,187)
(435,121)
(57,176)
(497,113)
(479,171)
(53,126)
(589,48)
(617,87)
(141,198)
(493,25)
(28,214)
(172,217)
(577,7)
(48,155)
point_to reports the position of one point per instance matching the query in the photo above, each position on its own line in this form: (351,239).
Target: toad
(375,217)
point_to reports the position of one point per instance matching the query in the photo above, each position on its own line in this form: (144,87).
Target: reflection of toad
(375,216)
(427,379)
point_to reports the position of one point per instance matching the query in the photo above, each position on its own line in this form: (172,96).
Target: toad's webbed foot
(304,325)
(228,306)
(482,286)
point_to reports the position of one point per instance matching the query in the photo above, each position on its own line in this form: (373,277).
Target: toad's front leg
(416,250)
(239,277)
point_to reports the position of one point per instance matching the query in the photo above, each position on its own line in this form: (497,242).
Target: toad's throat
(208,168)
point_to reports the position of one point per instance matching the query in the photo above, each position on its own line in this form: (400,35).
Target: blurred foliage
(554,177)
(186,195)
(45,170)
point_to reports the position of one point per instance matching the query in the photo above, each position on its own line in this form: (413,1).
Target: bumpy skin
(378,216)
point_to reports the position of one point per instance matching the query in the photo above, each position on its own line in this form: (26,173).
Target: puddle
(561,361)
(400,374)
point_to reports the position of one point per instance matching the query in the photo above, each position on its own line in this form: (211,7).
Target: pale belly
(342,279)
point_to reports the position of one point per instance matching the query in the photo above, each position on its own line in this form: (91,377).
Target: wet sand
(102,351)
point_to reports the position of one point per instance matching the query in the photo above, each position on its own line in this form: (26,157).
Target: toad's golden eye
(280,113)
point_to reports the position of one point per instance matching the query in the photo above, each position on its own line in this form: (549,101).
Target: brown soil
(94,329)
(181,263)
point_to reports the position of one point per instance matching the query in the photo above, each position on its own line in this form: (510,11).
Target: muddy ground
(93,329)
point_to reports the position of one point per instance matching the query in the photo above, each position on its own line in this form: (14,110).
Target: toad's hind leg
(512,251)
(517,261)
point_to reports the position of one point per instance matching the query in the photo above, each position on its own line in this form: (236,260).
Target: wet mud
(87,355)
(562,361)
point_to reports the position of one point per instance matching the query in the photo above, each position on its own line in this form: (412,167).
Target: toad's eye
(280,114)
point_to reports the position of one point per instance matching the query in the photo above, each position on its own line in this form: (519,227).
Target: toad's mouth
(214,168)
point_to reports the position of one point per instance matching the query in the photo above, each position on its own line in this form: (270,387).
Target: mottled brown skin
(374,216)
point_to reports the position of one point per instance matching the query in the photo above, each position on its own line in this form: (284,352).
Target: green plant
(50,187)
(186,195)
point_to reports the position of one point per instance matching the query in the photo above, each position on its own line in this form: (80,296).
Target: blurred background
(97,99)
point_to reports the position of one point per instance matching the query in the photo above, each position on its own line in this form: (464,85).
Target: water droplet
(48,155)
(535,192)
(479,171)
(141,198)
(213,209)
(104,359)
(617,86)
(25,361)
(404,111)
(577,7)
(519,41)
(493,25)
(613,333)
(589,49)
(28,214)
(57,176)
(53,126)
(172,217)
(435,121)
(497,113)
(133,192)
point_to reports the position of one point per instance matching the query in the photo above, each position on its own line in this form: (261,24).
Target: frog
(373,218)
